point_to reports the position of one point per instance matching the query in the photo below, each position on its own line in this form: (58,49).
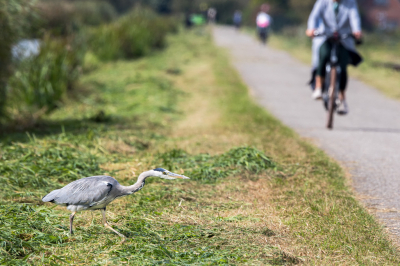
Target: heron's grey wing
(84,191)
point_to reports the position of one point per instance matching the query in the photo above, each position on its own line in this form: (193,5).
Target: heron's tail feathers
(51,196)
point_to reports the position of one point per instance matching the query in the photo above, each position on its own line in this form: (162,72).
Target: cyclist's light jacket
(263,20)
(346,21)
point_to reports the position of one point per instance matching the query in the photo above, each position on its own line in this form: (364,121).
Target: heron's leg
(103,212)
(71,219)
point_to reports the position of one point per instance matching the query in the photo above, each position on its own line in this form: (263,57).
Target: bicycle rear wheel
(332,97)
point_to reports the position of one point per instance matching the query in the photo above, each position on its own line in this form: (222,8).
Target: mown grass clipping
(207,168)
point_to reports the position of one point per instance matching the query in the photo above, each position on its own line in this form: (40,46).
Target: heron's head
(162,173)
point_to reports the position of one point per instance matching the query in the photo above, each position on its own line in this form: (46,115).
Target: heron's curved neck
(139,183)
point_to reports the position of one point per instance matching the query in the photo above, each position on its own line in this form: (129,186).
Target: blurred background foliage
(77,35)
(120,39)
(284,12)
(71,34)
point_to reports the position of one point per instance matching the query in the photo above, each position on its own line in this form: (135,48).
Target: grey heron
(96,192)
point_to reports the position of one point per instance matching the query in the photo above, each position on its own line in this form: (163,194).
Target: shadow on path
(366,129)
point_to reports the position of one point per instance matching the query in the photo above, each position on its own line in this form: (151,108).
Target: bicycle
(330,90)
(263,34)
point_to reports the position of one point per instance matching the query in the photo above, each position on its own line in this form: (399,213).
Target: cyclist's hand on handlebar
(310,32)
(357,35)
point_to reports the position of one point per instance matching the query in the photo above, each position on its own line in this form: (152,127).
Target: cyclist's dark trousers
(324,58)
(263,34)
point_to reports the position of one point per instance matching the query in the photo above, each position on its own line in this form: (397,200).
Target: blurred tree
(284,12)
(162,6)
(301,9)
(278,7)
(225,8)
(123,6)
(182,6)
(94,12)
(63,17)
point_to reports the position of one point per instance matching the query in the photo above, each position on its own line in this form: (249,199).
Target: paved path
(366,142)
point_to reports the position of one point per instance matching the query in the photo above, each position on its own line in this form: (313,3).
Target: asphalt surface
(366,141)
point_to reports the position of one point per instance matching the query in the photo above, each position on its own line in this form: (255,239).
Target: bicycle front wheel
(332,97)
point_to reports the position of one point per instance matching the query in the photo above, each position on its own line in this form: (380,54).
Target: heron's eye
(165,173)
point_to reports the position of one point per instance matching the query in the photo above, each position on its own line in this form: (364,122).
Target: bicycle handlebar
(338,36)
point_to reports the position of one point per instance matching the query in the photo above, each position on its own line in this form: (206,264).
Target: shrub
(63,17)
(94,12)
(134,35)
(104,43)
(56,16)
(39,83)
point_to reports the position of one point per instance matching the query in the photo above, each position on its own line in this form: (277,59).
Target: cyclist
(339,17)
(211,15)
(263,21)
(237,19)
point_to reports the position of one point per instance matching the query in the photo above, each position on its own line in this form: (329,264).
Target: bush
(56,16)
(134,35)
(39,83)
(104,43)
(94,13)
(63,17)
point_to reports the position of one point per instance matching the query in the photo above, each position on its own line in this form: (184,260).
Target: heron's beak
(173,175)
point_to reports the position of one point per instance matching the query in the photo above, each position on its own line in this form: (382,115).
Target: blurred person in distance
(237,19)
(188,20)
(211,15)
(338,17)
(263,22)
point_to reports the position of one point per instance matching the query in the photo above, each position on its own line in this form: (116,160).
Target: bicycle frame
(331,95)
(332,78)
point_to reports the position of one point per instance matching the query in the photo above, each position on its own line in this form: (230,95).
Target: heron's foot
(115,231)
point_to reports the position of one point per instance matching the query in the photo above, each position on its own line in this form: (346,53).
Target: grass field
(377,50)
(259,195)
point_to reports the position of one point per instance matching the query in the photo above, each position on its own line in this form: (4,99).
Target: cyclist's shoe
(317,94)
(342,108)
